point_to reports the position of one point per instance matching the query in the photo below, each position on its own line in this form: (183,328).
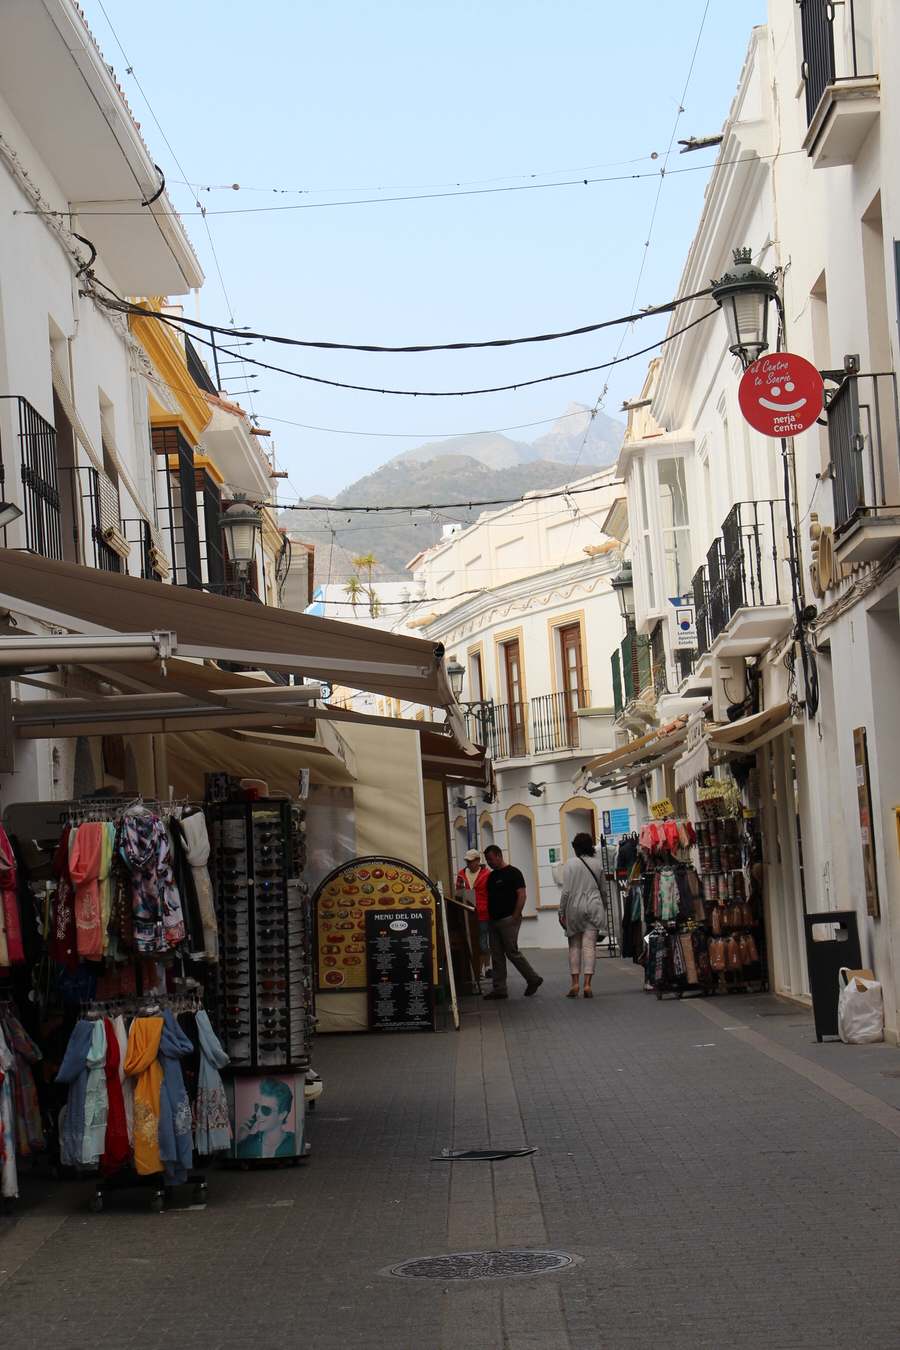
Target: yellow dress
(142,1063)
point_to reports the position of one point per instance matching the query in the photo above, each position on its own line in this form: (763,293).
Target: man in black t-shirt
(506,900)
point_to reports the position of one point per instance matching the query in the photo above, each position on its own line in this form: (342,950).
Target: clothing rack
(116,808)
(146,1005)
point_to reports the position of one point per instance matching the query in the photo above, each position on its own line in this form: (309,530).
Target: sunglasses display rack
(265,1013)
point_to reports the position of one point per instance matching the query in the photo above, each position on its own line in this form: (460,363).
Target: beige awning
(646,752)
(443,759)
(219,628)
(749,733)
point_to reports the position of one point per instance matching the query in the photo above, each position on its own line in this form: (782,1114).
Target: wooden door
(572,678)
(514,697)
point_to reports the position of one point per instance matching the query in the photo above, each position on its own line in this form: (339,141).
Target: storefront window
(675,526)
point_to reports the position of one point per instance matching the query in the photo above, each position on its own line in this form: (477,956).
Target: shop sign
(685,623)
(659,810)
(341,904)
(471,825)
(401,993)
(781,394)
(617,821)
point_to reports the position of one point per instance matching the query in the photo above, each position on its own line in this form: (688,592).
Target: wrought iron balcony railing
(745,568)
(40,481)
(864,444)
(835,46)
(554,719)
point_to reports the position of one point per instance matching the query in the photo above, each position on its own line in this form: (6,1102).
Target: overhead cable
(248,334)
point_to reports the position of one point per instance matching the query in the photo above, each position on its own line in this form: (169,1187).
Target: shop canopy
(645,753)
(213,628)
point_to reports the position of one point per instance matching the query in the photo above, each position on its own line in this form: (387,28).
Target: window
(515,707)
(645,530)
(675,526)
(572,665)
(476,682)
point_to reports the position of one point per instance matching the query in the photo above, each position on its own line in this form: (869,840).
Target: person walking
(506,900)
(474,877)
(582,910)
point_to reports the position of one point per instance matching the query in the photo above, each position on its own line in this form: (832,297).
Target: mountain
(562,444)
(485,466)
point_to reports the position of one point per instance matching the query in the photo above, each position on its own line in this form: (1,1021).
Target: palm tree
(354,590)
(364,562)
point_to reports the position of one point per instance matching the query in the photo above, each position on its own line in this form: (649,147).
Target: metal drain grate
(483,1265)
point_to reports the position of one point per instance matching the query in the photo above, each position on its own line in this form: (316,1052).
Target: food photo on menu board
(340,906)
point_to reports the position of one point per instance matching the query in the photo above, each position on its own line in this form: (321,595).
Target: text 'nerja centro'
(781,394)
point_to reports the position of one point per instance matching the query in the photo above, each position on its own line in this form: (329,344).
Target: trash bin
(832,941)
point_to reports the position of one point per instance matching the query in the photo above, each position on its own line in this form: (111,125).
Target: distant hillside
(474,468)
(395,539)
(562,444)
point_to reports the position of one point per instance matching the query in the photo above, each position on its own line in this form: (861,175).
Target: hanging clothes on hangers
(96,1102)
(175,1150)
(195,838)
(8,886)
(142,1064)
(73,1071)
(213,1123)
(29,1129)
(64,942)
(126,1083)
(84,869)
(116,1150)
(9,1179)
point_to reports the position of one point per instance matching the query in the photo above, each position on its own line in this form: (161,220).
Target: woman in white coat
(582,910)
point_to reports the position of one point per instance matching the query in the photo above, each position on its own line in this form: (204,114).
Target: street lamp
(240,524)
(743,295)
(623,585)
(455,674)
(481,710)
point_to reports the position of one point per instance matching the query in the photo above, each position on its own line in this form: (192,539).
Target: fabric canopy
(219,628)
(641,751)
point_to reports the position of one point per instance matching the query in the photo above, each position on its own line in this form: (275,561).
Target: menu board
(401,994)
(341,904)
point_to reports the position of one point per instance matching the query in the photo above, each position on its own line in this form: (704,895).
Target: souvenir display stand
(736,945)
(109,940)
(264,1007)
(695,931)
(676,958)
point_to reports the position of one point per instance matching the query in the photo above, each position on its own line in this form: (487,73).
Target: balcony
(864,444)
(742,595)
(40,481)
(554,720)
(842,88)
(514,730)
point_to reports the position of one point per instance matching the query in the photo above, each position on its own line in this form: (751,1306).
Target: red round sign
(781,394)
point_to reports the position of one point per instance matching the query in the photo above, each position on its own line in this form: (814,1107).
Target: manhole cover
(483,1265)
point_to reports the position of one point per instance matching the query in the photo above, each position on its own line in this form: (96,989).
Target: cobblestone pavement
(725,1178)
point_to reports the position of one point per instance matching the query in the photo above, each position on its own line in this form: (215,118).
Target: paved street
(725,1180)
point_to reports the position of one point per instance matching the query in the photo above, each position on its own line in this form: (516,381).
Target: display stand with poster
(399,943)
(256,865)
(345,964)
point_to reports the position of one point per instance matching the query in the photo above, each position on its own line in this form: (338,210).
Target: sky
(492,113)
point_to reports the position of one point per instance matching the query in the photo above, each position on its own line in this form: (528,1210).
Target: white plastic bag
(860,1010)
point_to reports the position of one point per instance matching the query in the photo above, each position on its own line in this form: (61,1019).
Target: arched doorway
(487,831)
(462,842)
(523,852)
(576,816)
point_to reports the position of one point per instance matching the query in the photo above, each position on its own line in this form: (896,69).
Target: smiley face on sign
(781,394)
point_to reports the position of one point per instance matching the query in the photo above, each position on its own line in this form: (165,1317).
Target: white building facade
(788,562)
(523,601)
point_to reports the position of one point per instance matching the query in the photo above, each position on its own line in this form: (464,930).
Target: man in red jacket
(473,877)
